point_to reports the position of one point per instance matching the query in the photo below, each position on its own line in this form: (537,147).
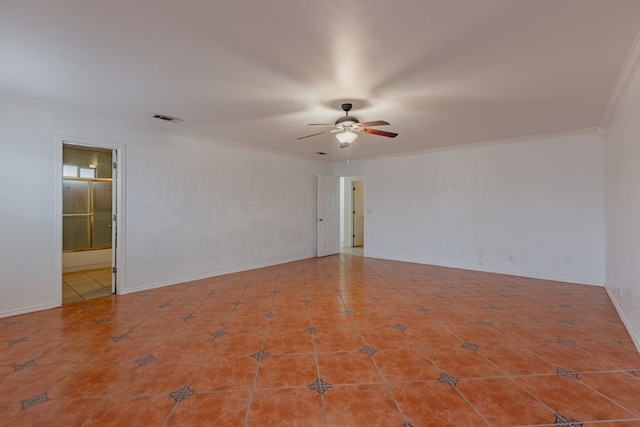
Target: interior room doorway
(90,201)
(357,219)
(352,215)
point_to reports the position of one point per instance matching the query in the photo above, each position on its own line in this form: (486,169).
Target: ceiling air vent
(167,118)
(322,153)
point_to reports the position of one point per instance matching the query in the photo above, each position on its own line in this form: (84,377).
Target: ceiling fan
(347,128)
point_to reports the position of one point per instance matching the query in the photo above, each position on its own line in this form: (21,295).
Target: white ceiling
(442,72)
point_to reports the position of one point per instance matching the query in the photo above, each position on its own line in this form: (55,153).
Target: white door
(358,213)
(328,215)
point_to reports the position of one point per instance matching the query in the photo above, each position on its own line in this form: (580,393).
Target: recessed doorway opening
(89,207)
(352,215)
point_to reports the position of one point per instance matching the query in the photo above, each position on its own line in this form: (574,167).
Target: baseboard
(207,275)
(625,321)
(488,270)
(29,309)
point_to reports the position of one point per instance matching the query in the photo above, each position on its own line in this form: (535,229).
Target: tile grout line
(315,349)
(264,339)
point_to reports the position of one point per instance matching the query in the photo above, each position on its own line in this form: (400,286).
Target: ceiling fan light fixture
(346,137)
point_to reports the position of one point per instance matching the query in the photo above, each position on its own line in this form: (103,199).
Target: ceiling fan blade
(313,134)
(321,124)
(380,132)
(376,123)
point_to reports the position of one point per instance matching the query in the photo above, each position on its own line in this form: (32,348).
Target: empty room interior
(320,213)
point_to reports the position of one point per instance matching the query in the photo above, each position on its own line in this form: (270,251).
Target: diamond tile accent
(33,401)
(120,337)
(274,292)
(495,307)
(566,373)
(348,312)
(88,308)
(320,386)
(400,327)
(504,296)
(406,424)
(311,330)
(24,365)
(619,342)
(260,355)
(470,346)
(306,301)
(187,318)
(12,323)
(269,315)
(561,420)
(374,299)
(566,321)
(18,341)
(146,360)
(236,303)
(101,321)
(485,324)
(423,310)
(448,379)
(634,373)
(368,350)
(182,394)
(566,342)
(218,333)
(161,306)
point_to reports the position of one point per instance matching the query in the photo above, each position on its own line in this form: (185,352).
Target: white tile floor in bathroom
(81,285)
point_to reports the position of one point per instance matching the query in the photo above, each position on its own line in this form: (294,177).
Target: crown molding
(480,144)
(628,72)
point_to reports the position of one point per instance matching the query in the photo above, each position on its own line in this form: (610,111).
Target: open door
(328,215)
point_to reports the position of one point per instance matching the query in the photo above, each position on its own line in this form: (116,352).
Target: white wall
(622,156)
(193,208)
(532,208)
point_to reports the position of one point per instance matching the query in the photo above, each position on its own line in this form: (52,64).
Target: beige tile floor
(82,285)
(356,251)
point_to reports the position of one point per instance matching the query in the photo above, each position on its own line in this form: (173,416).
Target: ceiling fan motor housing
(347,121)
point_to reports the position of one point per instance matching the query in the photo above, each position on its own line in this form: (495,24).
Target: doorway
(357,220)
(90,204)
(352,216)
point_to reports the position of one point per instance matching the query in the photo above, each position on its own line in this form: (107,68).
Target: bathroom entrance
(89,226)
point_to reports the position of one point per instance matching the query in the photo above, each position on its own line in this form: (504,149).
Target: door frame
(354,200)
(346,201)
(118,245)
